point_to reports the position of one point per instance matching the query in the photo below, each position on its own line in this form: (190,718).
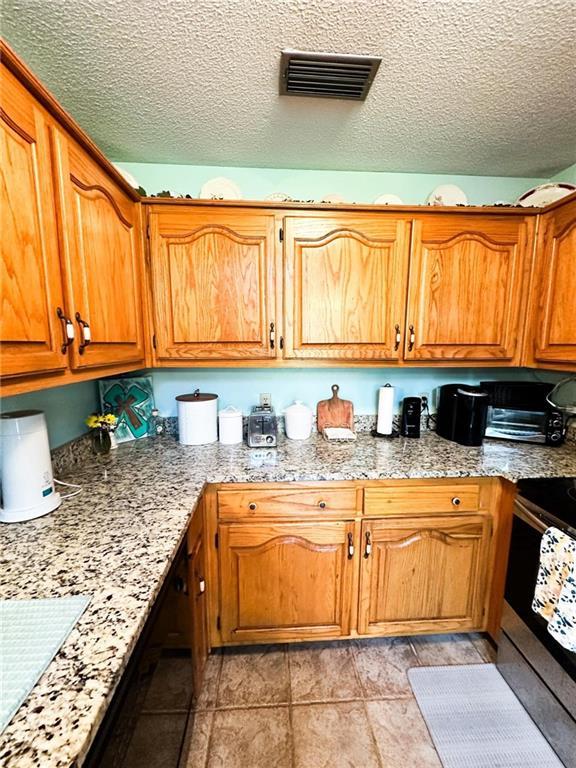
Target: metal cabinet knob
(252,505)
(456,501)
(85,333)
(322,504)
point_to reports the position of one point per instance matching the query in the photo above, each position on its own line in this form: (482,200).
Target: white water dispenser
(27,482)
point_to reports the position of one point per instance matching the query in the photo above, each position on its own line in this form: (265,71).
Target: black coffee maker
(461,413)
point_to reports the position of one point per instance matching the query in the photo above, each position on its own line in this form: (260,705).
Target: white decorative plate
(447,194)
(332,198)
(279,197)
(388,200)
(220,188)
(545,194)
(128,176)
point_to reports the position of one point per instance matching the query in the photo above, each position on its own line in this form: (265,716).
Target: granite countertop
(115,542)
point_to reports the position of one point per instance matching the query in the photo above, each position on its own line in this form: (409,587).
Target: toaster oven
(518,410)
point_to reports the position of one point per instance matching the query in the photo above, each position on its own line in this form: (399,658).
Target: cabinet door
(213,284)
(345,287)
(424,574)
(197,599)
(466,282)
(284,580)
(30,279)
(101,241)
(554,290)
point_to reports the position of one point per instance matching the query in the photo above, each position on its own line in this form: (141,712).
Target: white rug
(476,721)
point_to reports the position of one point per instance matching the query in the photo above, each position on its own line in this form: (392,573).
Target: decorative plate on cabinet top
(388,200)
(333,198)
(279,197)
(545,194)
(447,194)
(128,176)
(220,188)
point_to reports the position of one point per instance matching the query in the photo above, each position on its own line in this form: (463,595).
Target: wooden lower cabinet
(423,574)
(286,580)
(390,558)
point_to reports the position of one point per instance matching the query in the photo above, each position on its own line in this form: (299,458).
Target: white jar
(298,421)
(197,418)
(230,426)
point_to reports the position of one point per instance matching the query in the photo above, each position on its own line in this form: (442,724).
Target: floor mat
(476,721)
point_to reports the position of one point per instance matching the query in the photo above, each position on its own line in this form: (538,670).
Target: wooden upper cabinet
(553,318)
(282,580)
(30,280)
(466,293)
(101,242)
(213,284)
(345,286)
(423,574)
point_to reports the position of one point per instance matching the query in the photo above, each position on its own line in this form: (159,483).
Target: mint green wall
(568,174)
(65,408)
(241,386)
(354,186)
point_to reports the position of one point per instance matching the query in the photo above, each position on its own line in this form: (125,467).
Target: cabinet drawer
(284,502)
(421,499)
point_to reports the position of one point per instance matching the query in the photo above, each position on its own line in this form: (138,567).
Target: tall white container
(197,418)
(230,426)
(27,483)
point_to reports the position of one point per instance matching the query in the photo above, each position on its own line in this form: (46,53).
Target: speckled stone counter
(115,542)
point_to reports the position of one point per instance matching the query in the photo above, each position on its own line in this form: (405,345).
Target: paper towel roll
(385,410)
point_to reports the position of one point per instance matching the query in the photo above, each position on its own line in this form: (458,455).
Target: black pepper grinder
(410,420)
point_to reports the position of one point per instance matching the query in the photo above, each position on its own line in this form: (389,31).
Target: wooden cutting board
(335,412)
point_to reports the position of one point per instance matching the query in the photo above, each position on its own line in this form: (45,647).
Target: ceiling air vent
(327,75)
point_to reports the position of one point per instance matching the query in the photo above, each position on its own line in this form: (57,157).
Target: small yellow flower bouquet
(105,421)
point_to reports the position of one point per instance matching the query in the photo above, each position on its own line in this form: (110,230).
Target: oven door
(538,669)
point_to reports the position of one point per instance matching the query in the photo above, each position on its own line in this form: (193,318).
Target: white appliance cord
(69,485)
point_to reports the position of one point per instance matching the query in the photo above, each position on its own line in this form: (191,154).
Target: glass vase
(101,443)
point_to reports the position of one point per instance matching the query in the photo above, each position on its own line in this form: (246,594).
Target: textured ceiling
(465,86)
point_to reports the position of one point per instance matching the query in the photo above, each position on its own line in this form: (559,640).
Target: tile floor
(324,705)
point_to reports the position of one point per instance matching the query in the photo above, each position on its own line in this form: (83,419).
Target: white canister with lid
(298,421)
(197,418)
(230,426)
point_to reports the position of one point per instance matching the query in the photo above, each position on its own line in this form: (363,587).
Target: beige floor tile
(322,672)
(333,736)
(251,738)
(382,666)
(435,650)
(254,676)
(156,741)
(171,685)
(195,751)
(207,696)
(484,647)
(402,735)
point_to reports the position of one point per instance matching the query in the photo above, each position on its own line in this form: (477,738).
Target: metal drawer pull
(411,338)
(456,501)
(202,585)
(368,547)
(85,334)
(398,338)
(68,328)
(252,506)
(350,547)
(322,504)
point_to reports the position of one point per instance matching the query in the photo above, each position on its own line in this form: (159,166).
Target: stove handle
(528,517)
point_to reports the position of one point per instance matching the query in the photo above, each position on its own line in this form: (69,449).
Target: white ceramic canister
(197,418)
(298,421)
(230,426)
